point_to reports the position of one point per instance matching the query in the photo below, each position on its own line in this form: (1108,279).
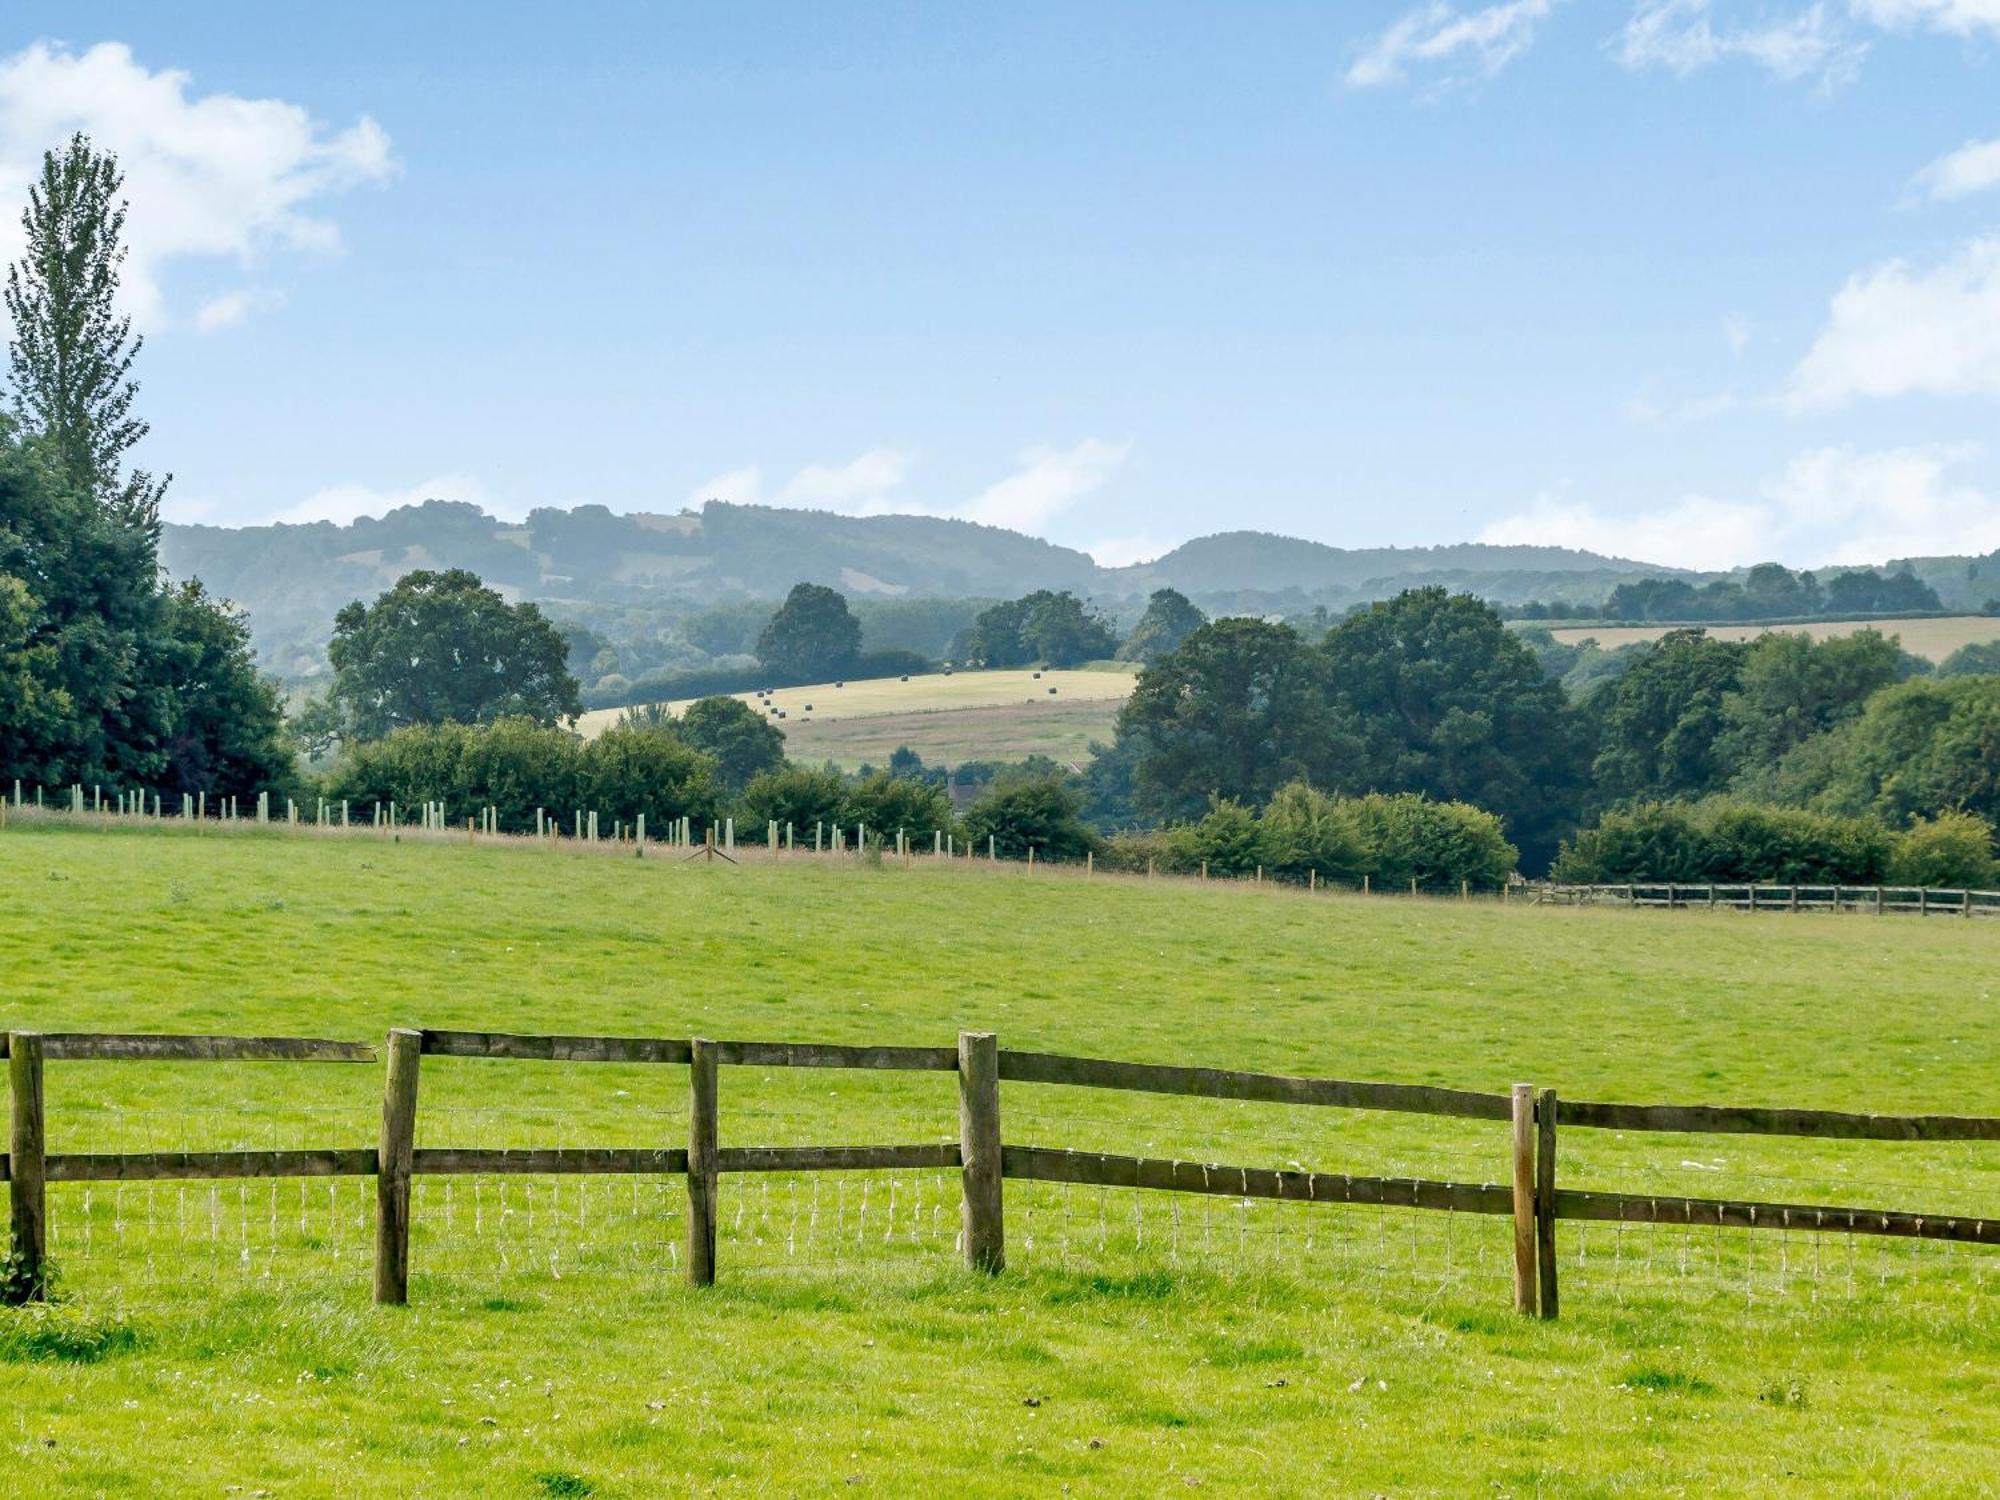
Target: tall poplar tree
(70,357)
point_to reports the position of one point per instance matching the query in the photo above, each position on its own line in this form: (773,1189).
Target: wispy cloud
(1972,168)
(1903,330)
(341,503)
(1046,482)
(210,175)
(1833,505)
(1682,37)
(1452,44)
(1952,17)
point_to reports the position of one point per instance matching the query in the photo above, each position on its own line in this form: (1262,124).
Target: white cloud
(1953,17)
(1649,412)
(1972,168)
(1830,506)
(211,175)
(1438,35)
(343,502)
(1736,332)
(1048,482)
(1680,37)
(1898,330)
(231,308)
(1124,551)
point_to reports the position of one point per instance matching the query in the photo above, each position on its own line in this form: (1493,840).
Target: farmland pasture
(1933,638)
(1300,1350)
(947,717)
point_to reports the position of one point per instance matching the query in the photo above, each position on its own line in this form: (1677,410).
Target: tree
(1022,813)
(798,796)
(812,637)
(225,723)
(629,773)
(71,354)
(1062,631)
(1655,728)
(1233,714)
(1055,629)
(442,647)
(1225,840)
(1977,658)
(1450,703)
(885,803)
(1790,688)
(1169,619)
(1305,831)
(1952,849)
(1920,748)
(742,742)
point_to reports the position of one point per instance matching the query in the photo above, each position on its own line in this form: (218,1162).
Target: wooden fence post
(1524,1198)
(392,1168)
(979,1150)
(26,1174)
(1545,1198)
(701,1174)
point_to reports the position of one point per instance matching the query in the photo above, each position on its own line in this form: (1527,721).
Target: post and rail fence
(1528,1191)
(432,822)
(1923,901)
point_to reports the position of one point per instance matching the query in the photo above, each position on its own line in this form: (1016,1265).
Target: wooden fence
(1528,1192)
(1927,901)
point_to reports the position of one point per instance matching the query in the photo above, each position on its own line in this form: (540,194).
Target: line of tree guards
(1417,739)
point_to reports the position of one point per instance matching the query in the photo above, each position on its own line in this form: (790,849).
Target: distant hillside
(674,592)
(1261,561)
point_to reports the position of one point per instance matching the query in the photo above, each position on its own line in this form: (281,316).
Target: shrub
(1723,839)
(627,772)
(798,795)
(886,803)
(1306,831)
(1438,844)
(1225,839)
(1952,849)
(1653,841)
(1038,812)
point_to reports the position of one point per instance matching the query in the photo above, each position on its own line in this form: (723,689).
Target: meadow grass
(216,1337)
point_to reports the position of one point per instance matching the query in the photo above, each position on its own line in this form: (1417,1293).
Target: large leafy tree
(813,636)
(71,353)
(1057,629)
(1169,619)
(105,675)
(1235,713)
(443,648)
(1791,688)
(743,742)
(1655,728)
(1451,703)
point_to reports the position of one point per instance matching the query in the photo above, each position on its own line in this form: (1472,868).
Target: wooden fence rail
(1928,901)
(1527,1189)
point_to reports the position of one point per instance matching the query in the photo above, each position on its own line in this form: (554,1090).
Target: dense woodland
(1418,737)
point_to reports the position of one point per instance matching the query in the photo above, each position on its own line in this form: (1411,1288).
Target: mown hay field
(947,717)
(218,1337)
(1931,638)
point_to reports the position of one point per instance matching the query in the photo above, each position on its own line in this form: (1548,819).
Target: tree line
(1417,738)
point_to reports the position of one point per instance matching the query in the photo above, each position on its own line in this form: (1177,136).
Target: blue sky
(1705,283)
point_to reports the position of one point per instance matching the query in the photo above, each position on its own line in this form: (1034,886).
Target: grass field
(1933,639)
(222,1342)
(947,717)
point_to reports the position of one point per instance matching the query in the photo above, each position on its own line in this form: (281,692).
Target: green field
(220,1341)
(946,717)
(1931,638)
